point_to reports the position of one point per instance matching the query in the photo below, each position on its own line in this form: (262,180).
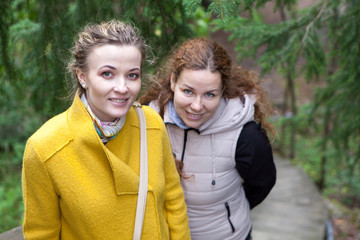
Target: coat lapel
(125,149)
(121,153)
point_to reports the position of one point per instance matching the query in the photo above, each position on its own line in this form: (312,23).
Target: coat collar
(87,140)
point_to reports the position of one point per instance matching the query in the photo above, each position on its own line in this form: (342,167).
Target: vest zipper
(184,145)
(185,141)
(228,211)
(213,182)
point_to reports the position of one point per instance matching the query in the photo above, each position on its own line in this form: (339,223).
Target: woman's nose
(120,86)
(197,104)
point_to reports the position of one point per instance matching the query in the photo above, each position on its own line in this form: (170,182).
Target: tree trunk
(291,89)
(322,180)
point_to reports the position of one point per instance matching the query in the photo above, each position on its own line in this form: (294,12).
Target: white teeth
(194,115)
(119,100)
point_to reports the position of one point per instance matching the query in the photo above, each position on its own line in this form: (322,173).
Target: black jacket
(255,163)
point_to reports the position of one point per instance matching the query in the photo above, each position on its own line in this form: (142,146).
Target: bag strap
(143,184)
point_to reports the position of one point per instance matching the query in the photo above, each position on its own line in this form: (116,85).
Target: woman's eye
(133,76)
(107,74)
(210,95)
(187,91)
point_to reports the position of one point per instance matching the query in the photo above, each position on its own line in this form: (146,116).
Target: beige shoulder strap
(143,184)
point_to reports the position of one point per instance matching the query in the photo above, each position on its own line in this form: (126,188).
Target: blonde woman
(81,168)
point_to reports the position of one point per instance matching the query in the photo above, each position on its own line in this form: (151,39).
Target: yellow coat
(75,187)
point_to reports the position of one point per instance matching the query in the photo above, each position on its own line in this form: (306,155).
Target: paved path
(13,234)
(294,209)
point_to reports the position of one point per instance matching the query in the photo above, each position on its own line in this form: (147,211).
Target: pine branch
(311,24)
(191,5)
(217,1)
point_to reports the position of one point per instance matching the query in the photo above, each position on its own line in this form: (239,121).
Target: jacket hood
(231,114)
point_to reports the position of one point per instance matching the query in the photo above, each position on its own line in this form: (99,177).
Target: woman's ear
(81,78)
(172,82)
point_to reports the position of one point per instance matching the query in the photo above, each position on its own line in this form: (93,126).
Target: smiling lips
(119,100)
(194,116)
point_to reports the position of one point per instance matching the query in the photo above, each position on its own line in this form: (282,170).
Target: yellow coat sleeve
(40,198)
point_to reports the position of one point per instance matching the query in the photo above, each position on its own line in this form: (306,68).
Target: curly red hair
(204,53)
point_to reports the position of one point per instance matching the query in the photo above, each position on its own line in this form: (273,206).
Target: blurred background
(306,53)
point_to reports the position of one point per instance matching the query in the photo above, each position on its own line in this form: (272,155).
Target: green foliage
(191,5)
(5,19)
(285,42)
(17,122)
(201,24)
(11,205)
(18,119)
(324,40)
(224,9)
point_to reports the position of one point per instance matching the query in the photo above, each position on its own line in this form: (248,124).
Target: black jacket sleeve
(255,163)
